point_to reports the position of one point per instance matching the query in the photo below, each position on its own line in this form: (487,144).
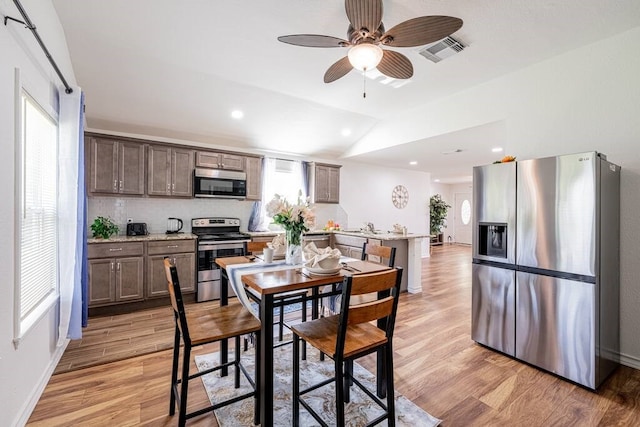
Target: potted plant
(103,227)
(438,214)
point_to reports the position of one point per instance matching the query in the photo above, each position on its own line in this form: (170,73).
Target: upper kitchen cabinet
(216,160)
(170,171)
(115,167)
(253,169)
(324,182)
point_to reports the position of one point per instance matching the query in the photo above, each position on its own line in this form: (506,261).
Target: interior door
(462,218)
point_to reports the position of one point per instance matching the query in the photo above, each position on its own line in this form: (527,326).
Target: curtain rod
(28,24)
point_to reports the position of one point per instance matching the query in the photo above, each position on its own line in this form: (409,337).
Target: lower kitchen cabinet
(115,279)
(350,246)
(182,253)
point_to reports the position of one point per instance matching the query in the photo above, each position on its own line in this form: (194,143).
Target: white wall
(24,371)
(584,100)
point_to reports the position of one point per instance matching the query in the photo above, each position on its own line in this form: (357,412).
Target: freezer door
(494,208)
(556,218)
(556,326)
(493,304)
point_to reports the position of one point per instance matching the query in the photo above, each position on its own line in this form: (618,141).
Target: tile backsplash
(155,211)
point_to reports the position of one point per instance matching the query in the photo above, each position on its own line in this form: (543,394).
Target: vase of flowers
(295,219)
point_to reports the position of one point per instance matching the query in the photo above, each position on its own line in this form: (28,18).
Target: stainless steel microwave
(219,183)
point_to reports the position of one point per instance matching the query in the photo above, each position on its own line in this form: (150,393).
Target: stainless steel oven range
(217,237)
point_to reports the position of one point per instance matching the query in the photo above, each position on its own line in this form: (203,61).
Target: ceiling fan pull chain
(364,83)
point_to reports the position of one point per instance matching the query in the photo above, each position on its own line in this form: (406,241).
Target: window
(283,177)
(465,212)
(38,214)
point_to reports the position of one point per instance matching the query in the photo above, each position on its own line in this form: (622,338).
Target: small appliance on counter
(174,225)
(137,229)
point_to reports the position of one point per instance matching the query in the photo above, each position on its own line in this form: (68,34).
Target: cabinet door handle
(111,265)
(115,185)
(172,246)
(118,266)
(173,186)
(121,186)
(115,249)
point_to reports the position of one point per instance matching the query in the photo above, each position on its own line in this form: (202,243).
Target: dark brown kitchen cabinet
(116,273)
(115,167)
(253,168)
(182,253)
(170,171)
(217,160)
(324,181)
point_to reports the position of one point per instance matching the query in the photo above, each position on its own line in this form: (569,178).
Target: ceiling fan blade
(420,31)
(313,40)
(337,70)
(396,65)
(364,14)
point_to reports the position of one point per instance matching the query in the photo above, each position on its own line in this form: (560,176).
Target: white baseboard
(30,405)
(630,361)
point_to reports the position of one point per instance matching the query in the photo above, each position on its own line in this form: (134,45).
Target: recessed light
(436,180)
(237,114)
(496,149)
(346,132)
(413,163)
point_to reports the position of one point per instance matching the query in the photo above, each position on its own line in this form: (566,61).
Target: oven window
(207,258)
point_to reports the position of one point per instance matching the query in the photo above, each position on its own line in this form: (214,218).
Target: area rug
(358,411)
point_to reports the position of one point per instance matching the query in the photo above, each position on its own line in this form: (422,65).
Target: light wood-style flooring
(437,366)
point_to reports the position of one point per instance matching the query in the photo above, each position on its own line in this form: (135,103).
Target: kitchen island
(408,249)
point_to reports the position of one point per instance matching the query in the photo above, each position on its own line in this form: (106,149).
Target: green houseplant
(438,209)
(103,227)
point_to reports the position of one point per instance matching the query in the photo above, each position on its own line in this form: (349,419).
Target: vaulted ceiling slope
(177,69)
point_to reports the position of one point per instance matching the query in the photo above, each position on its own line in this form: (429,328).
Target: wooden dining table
(267,285)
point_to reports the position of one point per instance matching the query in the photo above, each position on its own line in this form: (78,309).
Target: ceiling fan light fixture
(365,56)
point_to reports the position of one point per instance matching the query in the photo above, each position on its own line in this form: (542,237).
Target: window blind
(39,210)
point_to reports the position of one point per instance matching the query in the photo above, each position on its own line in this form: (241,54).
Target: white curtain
(69,140)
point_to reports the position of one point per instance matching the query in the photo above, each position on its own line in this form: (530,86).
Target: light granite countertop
(377,235)
(147,238)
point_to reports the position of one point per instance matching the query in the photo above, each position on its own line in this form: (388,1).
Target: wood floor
(437,366)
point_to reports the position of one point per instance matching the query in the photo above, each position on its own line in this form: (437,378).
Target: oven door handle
(222,244)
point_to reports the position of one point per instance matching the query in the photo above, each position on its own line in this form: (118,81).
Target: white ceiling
(176,69)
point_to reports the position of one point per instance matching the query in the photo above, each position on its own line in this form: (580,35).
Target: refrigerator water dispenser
(493,239)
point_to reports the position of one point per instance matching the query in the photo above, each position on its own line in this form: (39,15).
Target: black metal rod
(27,23)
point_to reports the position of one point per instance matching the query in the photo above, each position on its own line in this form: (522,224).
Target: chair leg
(174,371)
(391,405)
(237,364)
(184,385)
(304,319)
(347,382)
(281,324)
(340,386)
(256,398)
(296,381)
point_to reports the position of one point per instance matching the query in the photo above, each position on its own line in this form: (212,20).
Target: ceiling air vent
(442,49)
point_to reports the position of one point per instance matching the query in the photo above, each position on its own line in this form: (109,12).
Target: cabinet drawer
(171,247)
(341,239)
(112,250)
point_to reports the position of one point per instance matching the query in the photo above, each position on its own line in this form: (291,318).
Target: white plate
(322,271)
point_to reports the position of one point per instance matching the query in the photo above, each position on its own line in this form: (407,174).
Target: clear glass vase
(293,254)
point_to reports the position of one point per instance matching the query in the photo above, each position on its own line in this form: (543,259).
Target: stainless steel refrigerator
(546,263)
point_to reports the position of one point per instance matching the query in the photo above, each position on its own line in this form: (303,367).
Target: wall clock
(400,196)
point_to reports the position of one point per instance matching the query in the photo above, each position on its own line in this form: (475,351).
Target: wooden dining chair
(203,326)
(378,254)
(284,299)
(350,335)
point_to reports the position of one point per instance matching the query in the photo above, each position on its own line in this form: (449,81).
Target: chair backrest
(370,252)
(173,283)
(385,285)
(255,247)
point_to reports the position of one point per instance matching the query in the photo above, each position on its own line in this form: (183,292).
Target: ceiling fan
(366,34)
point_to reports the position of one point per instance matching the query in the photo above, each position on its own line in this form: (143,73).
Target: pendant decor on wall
(400,196)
